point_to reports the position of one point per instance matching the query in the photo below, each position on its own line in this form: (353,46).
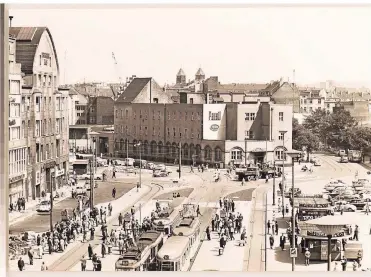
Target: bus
(169,217)
(143,256)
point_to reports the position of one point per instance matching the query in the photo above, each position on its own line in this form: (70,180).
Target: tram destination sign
(309,196)
(320,234)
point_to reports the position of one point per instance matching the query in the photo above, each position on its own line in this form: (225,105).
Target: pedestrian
(90,251)
(94,260)
(276,228)
(307,256)
(356,230)
(198,211)
(272,229)
(243,182)
(20,264)
(120,219)
(43,267)
(271,241)
(213,224)
(344,263)
(208,233)
(83,263)
(30,256)
(355,266)
(192,169)
(103,250)
(282,242)
(269,226)
(287,209)
(220,202)
(99,265)
(359,258)
(114,192)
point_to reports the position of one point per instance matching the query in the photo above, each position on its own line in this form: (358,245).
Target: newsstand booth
(317,242)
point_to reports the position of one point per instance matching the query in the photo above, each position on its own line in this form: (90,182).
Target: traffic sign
(293,252)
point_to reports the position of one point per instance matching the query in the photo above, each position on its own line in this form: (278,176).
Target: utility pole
(91,185)
(266,150)
(127,150)
(95,153)
(180,159)
(274,183)
(283,173)
(245,151)
(293,240)
(52,178)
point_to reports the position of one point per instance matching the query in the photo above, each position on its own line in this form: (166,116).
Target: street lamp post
(293,155)
(274,182)
(140,163)
(283,173)
(95,153)
(245,151)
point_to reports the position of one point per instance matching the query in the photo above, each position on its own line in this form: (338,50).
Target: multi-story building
(311,100)
(46,106)
(18,153)
(250,132)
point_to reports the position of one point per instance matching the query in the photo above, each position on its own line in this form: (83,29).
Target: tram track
(72,257)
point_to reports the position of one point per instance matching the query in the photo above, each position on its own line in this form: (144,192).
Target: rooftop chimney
(10,20)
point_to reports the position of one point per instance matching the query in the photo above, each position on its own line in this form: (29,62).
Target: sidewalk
(15,216)
(208,258)
(108,262)
(118,205)
(278,260)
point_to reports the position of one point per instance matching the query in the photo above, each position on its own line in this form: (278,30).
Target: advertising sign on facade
(214,127)
(324,252)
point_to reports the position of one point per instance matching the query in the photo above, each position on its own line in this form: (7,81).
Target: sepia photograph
(188,138)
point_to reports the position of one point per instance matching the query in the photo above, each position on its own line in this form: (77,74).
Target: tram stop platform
(208,258)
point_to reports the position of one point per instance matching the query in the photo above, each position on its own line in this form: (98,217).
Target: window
(155,100)
(280,116)
(310,109)
(249,116)
(191,100)
(38,104)
(280,155)
(249,134)
(153,115)
(319,101)
(37,128)
(134,115)
(126,130)
(305,101)
(192,116)
(126,113)
(305,109)
(153,131)
(15,133)
(281,136)
(168,115)
(328,105)
(186,133)
(168,132)
(145,131)
(159,115)
(174,115)
(310,101)
(39,59)
(186,116)
(180,134)
(174,132)
(236,154)
(215,116)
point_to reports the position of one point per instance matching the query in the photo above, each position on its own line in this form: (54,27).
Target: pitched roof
(132,91)
(27,41)
(180,72)
(200,72)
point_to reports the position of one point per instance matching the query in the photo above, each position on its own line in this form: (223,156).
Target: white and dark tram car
(169,217)
(178,249)
(142,257)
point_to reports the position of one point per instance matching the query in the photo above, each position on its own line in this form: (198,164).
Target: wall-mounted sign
(214,127)
(16,178)
(50,164)
(320,234)
(45,55)
(59,173)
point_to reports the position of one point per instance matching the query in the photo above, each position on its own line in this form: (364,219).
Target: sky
(240,45)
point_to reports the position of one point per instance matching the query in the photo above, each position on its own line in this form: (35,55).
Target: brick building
(46,108)
(207,133)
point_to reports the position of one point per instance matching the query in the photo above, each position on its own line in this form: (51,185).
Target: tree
(305,139)
(358,138)
(318,122)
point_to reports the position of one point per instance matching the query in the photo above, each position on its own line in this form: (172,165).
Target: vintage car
(317,163)
(349,208)
(159,173)
(86,176)
(44,207)
(358,203)
(344,159)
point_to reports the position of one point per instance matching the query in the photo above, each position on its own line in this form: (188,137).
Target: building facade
(47,109)
(18,150)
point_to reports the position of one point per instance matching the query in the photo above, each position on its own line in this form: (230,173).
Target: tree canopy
(338,129)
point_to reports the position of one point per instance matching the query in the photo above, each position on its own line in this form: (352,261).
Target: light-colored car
(43,207)
(150,165)
(159,173)
(80,190)
(86,176)
(350,208)
(317,163)
(344,159)
(160,167)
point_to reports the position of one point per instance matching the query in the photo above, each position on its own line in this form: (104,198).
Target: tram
(178,250)
(142,257)
(169,217)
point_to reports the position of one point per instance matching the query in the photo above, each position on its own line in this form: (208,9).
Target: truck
(354,156)
(269,171)
(248,173)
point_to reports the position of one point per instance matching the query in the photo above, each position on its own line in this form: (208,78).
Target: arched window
(218,154)
(279,154)
(207,153)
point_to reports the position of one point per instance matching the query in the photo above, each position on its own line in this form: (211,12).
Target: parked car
(160,167)
(344,159)
(317,163)
(86,176)
(150,165)
(81,190)
(350,208)
(159,173)
(44,207)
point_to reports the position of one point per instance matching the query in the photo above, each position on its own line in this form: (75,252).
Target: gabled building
(47,109)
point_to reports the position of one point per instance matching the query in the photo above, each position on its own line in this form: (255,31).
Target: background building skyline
(251,44)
